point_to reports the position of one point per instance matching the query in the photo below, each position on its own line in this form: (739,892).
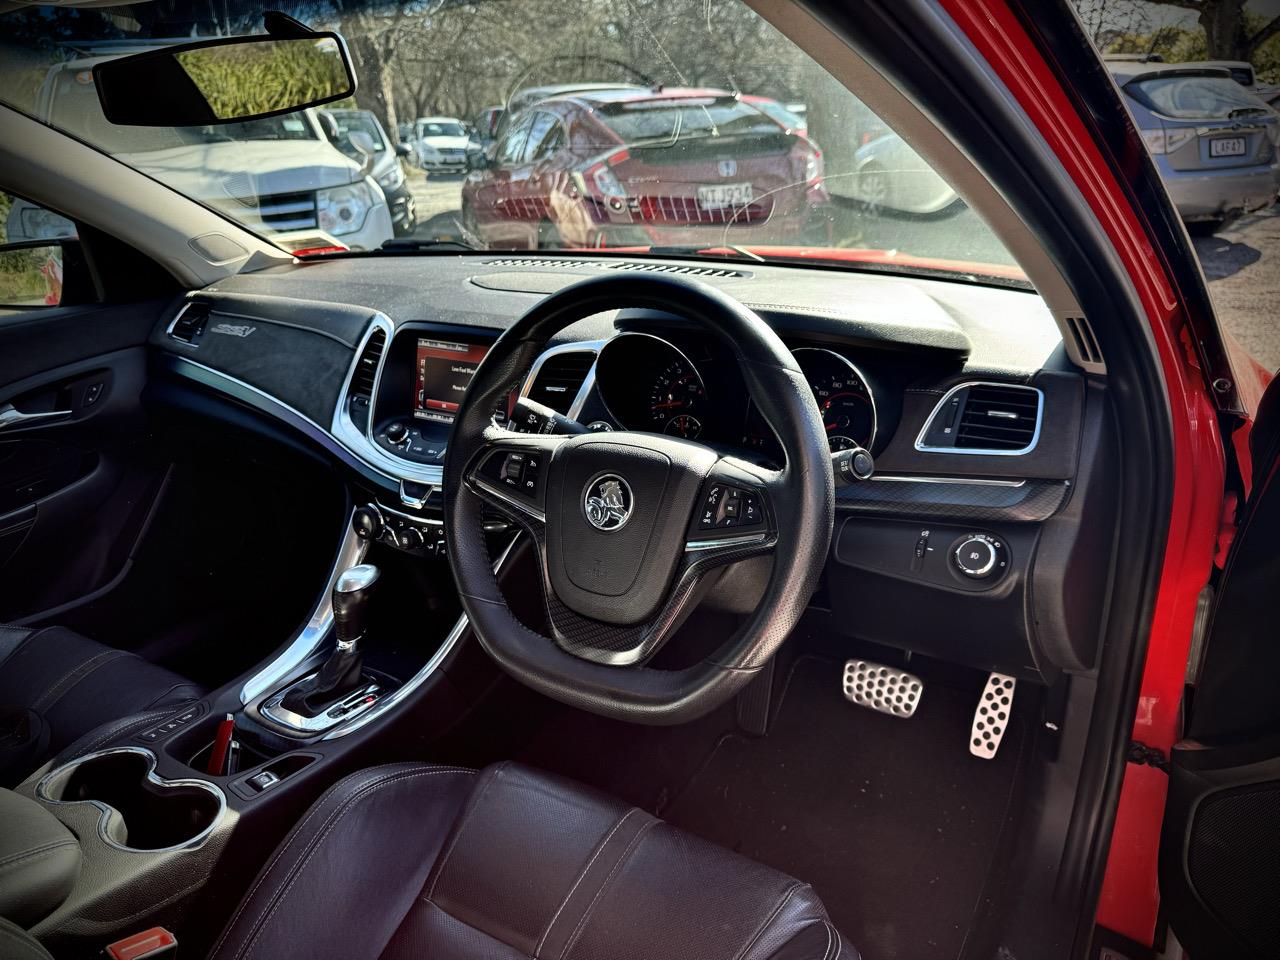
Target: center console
(154,800)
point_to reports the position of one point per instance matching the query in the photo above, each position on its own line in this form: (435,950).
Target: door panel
(1220,849)
(77,469)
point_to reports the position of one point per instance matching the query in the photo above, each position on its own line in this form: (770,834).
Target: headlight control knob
(979,556)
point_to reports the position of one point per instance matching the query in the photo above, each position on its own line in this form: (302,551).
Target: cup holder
(140,810)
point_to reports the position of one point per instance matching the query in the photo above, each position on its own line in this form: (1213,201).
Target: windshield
(685,127)
(1196,97)
(358,123)
(648,120)
(434,129)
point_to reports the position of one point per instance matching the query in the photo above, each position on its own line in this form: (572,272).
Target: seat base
(411,860)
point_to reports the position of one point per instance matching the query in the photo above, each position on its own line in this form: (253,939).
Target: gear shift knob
(351,595)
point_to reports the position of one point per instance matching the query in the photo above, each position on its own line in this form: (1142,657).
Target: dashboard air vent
(361,391)
(188,325)
(998,417)
(637,266)
(542,262)
(557,380)
(682,269)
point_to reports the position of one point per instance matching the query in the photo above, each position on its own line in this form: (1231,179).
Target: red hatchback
(634,166)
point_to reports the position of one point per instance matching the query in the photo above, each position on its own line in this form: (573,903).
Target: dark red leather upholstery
(420,861)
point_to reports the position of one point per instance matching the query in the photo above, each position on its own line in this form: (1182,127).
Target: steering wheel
(630,529)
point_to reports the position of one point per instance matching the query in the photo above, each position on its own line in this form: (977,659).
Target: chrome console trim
(588,382)
(389,701)
(361,442)
(42,793)
(977,451)
(308,641)
(354,702)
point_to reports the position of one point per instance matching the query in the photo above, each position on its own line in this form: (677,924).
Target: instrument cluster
(650,384)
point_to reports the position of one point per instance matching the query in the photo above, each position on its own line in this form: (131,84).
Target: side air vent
(984,418)
(636,266)
(188,325)
(556,380)
(1087,350)
(360,393)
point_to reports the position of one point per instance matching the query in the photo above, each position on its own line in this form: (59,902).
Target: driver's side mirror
(404,150)
(31,275)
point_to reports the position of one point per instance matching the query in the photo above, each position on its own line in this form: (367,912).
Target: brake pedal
(991,718)
(885,689)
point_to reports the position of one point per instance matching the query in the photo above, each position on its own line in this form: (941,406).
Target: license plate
(1226,147)
(718,195)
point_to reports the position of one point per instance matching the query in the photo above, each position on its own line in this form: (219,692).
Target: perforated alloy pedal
(991,718)
(886,689)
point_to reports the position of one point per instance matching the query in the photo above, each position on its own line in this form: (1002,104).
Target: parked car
(790,119)
(1213,141)
(281,170)
(383,162)
(626,165)
(440,143)
(888,175)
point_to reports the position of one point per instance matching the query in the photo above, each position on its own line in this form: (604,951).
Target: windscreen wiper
(705,250)
(416,244)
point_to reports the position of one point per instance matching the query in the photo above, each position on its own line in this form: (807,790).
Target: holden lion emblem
(607,502)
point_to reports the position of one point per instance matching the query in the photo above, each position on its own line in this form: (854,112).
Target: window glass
(682,123)
(542,126)
(30,256)
(1197,97)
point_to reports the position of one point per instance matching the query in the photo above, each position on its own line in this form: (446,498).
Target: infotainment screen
(444,372)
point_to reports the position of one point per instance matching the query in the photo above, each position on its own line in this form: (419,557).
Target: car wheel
(874,188)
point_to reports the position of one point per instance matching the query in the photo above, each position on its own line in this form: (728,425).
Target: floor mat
(892,821)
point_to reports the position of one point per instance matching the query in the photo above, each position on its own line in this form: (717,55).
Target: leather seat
(56,686)
(424,861)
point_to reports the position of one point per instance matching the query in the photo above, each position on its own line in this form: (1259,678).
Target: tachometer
(848,409)
(675,398)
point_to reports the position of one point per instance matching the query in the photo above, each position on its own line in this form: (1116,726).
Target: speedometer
(845,401)
(675,399)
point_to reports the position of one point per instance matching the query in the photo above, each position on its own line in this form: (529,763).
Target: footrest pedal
(881,688)
(991,717)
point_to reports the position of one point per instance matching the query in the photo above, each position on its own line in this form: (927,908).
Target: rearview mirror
(224,81)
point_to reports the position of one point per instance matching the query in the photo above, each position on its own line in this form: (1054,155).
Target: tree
(1228,31)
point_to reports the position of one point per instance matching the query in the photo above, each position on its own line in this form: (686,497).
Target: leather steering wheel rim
(801,503)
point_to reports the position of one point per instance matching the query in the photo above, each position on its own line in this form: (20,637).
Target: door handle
(11,416)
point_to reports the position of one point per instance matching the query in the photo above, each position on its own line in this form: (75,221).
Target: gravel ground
(1241,262)
(1242,265)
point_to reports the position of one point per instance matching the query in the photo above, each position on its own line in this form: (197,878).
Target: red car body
(600,168)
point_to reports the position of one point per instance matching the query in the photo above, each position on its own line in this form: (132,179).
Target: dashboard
(982,431)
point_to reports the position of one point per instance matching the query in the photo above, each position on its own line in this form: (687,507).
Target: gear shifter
(341,673)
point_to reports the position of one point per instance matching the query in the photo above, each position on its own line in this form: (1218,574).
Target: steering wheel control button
(513,470)
(607,502)
(728,507)
(980,556)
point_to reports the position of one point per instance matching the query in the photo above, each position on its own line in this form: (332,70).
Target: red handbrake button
(156,942)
